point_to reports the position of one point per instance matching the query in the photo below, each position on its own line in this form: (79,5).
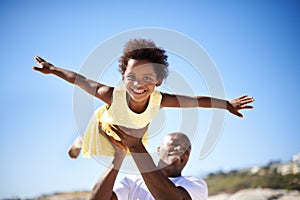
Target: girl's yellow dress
(95,144)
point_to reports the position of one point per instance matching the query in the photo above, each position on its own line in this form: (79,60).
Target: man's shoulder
(195,186)
(189,180)
(193,178)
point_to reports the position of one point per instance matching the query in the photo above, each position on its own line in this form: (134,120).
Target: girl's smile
(140,80)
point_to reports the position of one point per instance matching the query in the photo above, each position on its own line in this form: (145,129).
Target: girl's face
(140,80)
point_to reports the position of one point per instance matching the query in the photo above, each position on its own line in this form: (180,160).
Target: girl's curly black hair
(142,49)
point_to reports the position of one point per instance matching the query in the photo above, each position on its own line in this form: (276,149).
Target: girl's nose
(137,82)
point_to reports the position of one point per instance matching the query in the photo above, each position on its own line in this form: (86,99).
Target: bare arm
(158,184)
(233,106)
(96,89)
(103,189)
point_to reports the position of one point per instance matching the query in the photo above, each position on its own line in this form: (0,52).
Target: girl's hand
(239,103)
(44,66)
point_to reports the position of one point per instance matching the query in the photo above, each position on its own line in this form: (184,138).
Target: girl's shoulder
(105,93)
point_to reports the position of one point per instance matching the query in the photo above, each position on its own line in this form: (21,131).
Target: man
(163,181)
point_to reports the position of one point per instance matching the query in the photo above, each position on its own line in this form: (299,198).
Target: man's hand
(129,137)
(44,66)
(119,147)
(238,104)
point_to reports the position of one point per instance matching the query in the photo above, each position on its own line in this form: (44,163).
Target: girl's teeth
(138,91)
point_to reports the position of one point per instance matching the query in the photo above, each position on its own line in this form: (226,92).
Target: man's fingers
(116,142)
(116,130)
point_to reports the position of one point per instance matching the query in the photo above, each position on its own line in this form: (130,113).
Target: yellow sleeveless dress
(95,144)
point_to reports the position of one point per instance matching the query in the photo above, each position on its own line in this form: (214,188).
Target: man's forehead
(177,137)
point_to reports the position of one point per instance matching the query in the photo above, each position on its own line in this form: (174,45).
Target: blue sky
(254,45)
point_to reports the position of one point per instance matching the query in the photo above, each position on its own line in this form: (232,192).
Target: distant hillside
(259,194)
(247,194)
(274,181)
(66,196)
(234,181)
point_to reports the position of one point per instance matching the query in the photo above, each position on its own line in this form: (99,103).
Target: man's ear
(123,77)
(158,150)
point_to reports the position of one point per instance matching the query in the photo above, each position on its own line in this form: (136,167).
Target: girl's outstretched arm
(233,106)
(96,89)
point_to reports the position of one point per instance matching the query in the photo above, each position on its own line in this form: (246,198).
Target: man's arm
(158,184)
(103,189)
(96,89)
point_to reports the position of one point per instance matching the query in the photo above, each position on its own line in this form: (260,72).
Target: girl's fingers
(244,96)
(246,107)
(39,59)
(37,69)
(239,114)
(246,101)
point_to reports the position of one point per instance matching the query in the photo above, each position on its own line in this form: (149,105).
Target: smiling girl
(136,102)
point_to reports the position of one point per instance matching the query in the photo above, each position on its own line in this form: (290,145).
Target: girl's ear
(158,150)
(123,77)
(158,83)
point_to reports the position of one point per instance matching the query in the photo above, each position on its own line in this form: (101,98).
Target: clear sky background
(255,46)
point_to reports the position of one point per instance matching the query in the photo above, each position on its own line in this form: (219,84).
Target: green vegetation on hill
(234,181)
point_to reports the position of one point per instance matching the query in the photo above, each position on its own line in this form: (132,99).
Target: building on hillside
(255,169)
(285,169)
(296,168)
(296,158)
(292,167)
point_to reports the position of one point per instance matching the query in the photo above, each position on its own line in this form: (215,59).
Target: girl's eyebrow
(149,75)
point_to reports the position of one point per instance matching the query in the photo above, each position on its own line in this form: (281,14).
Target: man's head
(174,153)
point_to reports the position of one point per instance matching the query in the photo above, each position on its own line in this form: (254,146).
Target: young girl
(135,103)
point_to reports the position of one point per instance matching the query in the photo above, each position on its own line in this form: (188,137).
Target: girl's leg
(75,148)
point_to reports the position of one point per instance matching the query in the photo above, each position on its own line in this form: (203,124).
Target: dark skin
(103,189)
(155,177)
(139,76)
(104,92)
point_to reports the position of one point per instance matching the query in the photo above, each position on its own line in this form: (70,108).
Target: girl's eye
(148,79)
(131,77)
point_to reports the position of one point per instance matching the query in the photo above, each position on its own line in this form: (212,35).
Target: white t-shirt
(134,188)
